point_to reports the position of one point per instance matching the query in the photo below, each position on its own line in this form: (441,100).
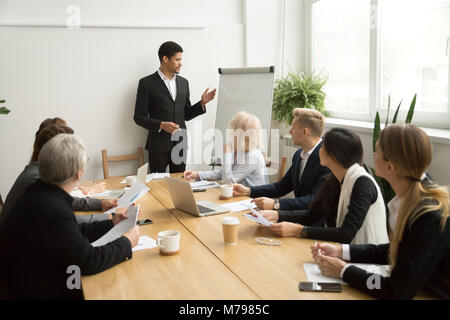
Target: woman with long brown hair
(419,250)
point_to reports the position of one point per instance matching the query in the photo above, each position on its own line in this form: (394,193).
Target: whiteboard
(245,89)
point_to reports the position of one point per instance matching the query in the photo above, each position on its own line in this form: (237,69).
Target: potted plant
(4,110)
(385,187)
(298,90)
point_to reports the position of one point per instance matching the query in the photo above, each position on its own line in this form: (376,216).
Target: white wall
(89,76)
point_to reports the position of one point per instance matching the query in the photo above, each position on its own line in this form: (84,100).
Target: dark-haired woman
(349,203)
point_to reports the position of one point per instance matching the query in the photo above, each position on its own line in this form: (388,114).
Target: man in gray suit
(163,106)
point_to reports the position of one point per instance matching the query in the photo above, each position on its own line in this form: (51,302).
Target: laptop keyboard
(204,210)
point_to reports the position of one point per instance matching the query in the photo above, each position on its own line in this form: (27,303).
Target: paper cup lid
(230,220)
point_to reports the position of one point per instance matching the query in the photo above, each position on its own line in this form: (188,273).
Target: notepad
(314,275)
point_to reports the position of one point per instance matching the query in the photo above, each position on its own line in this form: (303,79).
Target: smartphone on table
(320,286)
(143,222)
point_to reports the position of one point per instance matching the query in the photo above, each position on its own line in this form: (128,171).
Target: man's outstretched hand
(207,96)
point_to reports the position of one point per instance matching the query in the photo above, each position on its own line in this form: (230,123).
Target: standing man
(163,106)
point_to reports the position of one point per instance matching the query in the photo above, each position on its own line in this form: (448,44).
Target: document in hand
(119,229)
(132,194)
(257,217)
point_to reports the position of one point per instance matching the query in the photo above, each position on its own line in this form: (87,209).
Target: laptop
(183,199)
(142,173)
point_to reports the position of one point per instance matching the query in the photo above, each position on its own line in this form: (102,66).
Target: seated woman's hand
(287,229)
(120,215)
(190,175)
(133,236)
(109,204)
(271,215)
(97,188)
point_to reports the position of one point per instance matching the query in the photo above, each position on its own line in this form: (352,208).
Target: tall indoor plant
(385,187)
(298,90)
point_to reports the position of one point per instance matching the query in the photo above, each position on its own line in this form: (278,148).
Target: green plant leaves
(394,120)
(411,110)
(4,110)
(376,130)
(298,90)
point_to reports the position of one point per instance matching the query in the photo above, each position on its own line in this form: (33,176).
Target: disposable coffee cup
(227,190)
(130,181)
(230,227)
(169,242)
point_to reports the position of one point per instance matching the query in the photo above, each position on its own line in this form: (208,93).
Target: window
(371,49)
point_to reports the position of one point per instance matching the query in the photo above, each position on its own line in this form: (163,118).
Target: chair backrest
(281,167)
(139,156)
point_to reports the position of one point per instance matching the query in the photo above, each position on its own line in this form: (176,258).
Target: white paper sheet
(107,194)
(204,184)
(158,176)
(151,176)
(239,205)
(314,275)
(257,217)
(77,193)
(145,243)
(119,229)
(132,194)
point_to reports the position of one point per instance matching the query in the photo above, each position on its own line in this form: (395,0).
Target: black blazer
(155,104)
(304,190)
(40,239)
(423,262)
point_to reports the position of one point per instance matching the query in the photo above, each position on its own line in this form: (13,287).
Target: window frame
(423,118)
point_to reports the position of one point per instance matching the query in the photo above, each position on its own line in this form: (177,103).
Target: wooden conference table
(205,268)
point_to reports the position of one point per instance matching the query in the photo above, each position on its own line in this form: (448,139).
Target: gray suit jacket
(30,175)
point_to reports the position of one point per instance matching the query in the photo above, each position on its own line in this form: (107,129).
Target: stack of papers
(204,184)
(239,205)
(119,229)
(145,243)
(151,176)
(314,275)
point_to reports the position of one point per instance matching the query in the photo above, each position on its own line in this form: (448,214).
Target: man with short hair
(304,177)
(163,106)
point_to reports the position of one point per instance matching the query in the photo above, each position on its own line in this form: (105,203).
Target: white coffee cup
(169,242)
(230,227)
(131,180)
(227,190)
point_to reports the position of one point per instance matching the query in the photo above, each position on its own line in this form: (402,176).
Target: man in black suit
(304,177)
(163,106)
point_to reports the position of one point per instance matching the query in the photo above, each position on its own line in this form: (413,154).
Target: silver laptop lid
(182,196)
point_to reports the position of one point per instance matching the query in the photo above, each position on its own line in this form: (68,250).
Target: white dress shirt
(171,84)
(305,156)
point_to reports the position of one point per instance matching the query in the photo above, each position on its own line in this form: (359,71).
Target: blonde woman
(419,251)
(243,159)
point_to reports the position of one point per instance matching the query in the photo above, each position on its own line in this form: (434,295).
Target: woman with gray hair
(41,241)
